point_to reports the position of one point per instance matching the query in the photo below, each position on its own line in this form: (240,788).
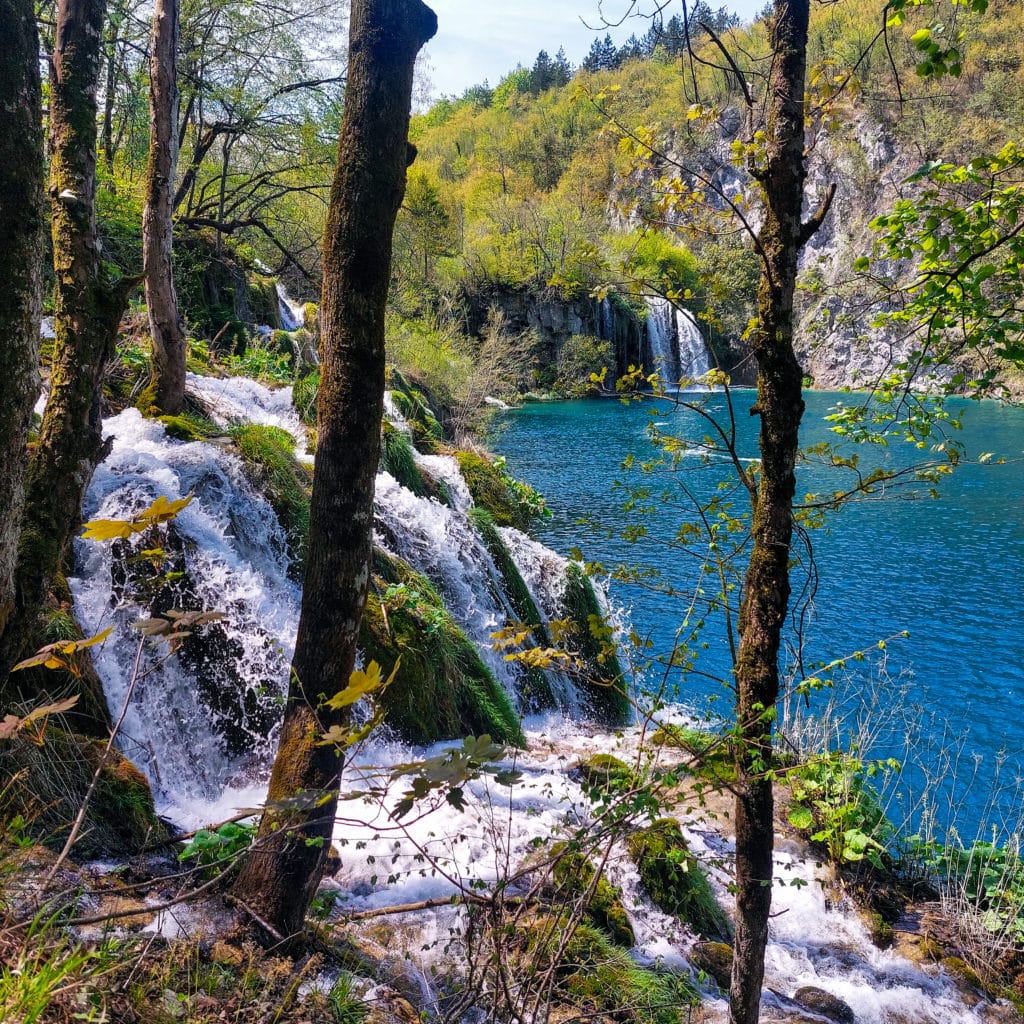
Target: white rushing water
(293,314)
(202,727)
(676,344)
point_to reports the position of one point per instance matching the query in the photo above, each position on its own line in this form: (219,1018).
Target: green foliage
(396,458)
(580,358)
(603,774)
(189,426)
(573,875)
(674,880)
(967,284)
(442,689)
(262,360)
(269,453)
(593,971)
(219,849)
(492,490)
(304,395)
(654,261)
(988,881)
(835,803)
(346,1006)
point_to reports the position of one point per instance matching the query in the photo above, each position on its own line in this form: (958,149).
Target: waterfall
(675,342)
(202,727)
(293,314)
(661,339)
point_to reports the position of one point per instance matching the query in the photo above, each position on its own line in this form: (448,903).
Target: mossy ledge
(269,454)
(442,689)
(396,458)
(601,677)
(56,773)
(592,971)
(489,491)
(674,880)
(573,875)
(537,694)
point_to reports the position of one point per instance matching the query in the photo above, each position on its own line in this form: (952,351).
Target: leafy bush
(580,357)
(218,848)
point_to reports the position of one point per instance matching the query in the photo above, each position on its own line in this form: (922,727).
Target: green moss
(601,677)
(674,880)
(269,452)
(605,773)
(594,973)
(442,690)
(537,694)
(712,759)
(188,427)
(489,491)
(396,458)
(573,875)
(56,775)
(715,960)
(304,395)
(263,304)
(146,401)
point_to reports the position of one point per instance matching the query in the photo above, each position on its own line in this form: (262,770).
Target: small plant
(218,848)
(834,801)
(261,361)
(346,1006)
(530,501)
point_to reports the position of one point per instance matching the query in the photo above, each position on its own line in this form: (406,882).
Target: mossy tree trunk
(166,330)
(767,587)
(278,881)
(87,311)
(22,239)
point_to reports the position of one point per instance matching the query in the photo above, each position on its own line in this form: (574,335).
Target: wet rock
(715,960)
(823,1003)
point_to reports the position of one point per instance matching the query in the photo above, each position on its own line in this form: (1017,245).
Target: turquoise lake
(947,570)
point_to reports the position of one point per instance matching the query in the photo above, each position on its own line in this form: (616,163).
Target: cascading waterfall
(293,314)
(675,341)
(204,762)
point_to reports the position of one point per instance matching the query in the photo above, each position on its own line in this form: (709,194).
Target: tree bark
(22,240)
(166,330)
(87,311)
(767,586)
(279,879)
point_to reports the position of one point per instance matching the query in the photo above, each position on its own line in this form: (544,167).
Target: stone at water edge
(715,960)
(823,1003)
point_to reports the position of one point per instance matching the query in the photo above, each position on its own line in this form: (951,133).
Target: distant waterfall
(293,314)
(674,340)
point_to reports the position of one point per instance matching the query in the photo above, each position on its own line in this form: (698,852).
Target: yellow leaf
(360,683)
(161,511)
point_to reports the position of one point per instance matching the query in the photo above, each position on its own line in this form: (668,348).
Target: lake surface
(947,570)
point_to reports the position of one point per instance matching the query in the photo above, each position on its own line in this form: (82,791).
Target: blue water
(947,570)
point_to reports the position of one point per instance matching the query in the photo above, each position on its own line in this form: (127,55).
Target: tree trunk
(109,93)
(278,880)
(22,226)
(87,311)
(165,325)
(767,587)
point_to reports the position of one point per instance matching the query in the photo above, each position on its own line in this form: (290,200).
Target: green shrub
(579,358)
(674,880)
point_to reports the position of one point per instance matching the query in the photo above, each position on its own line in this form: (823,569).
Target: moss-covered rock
(595,974)
(715,960)
(269,454)
(674,880)
(188,427)
(57,770)
(605,773)
(710,757)
(489,491)
(573,875)
(824,1004)
(600,676)
(442,689)
(536,692)
(396,458)
(264,307)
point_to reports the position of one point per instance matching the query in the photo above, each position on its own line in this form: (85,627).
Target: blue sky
(480,39)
